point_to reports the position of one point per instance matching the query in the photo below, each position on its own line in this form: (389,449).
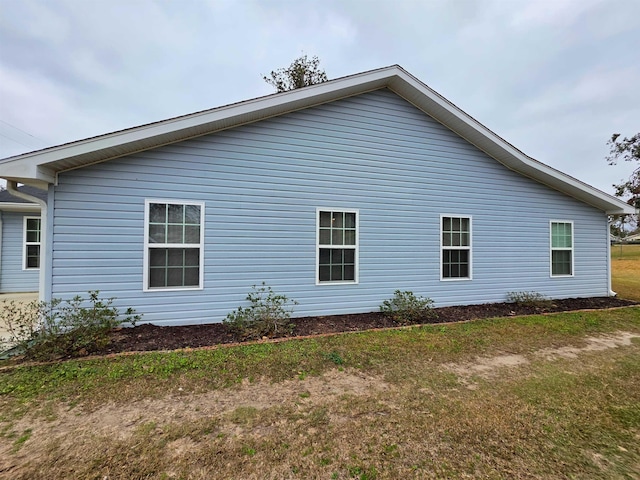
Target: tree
(628,150)
(301,73)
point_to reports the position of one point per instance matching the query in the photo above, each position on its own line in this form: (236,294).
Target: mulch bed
(148,337)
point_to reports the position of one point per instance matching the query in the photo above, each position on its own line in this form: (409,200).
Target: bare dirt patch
(486,367)
(122,421)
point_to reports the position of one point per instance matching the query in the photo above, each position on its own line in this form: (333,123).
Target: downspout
(12,188)
(611,292)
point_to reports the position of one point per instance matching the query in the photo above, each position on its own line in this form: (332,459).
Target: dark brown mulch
(150,337)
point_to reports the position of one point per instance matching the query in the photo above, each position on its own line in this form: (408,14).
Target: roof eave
(39,168)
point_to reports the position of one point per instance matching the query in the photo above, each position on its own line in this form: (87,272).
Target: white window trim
(147,245)
(443,248)
(551,249)
(25,244)
(356,247)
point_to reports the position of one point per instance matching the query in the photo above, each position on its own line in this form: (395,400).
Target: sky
(555,78)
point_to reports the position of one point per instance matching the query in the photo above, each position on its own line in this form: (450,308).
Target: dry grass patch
(625,271)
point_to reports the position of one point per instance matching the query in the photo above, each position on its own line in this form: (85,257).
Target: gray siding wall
(262,184)
(12,277)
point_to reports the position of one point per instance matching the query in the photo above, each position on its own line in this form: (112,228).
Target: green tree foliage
(628,150)
(301,73)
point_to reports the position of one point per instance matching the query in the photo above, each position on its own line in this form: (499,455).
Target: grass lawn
(552,396)
(625,271)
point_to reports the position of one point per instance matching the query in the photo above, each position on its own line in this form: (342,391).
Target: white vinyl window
(561,239)
(174,241)
(455,247)
(32,244)
(337,246)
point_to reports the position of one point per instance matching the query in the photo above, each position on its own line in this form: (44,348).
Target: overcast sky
(554,78)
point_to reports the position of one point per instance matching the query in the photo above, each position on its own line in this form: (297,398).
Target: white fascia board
(19,207)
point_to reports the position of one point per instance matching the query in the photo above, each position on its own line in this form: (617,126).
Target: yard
(625,270)
(547,396)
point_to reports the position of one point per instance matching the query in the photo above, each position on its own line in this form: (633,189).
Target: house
(335,195)
(20,241)
(632,238)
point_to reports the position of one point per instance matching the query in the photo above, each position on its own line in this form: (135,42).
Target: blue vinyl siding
(262,183)
(13,278)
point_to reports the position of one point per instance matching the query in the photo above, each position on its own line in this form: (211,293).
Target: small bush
(529,299)
(405,308)
(267,315)
(49,330)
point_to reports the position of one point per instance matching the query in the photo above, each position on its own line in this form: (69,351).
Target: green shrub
(405,308)
(267,315)
(49,330)
(529,299)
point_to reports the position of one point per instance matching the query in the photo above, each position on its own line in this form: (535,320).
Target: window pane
(350,237)
(191,277)
(33,256)
(464,270)
(561,262)
(175,257)
(158,257)
(336,237)
(157,234)
(157,277)
(455,264)
(325,236)
(455,270)
(325,256)
(33,230)
(349,272)
(192,234)
(337,219)
(336,272)
(455,239)
(336,256)
(324,273)
(192,214)
(325,219)
(464,240)
(174,277)
(350,220)
(446,224)
(561,235)
(176,213)
(192,257)
(158,213)
(349,255)
(455,224)
(174,234)
(464,224)
(446,239)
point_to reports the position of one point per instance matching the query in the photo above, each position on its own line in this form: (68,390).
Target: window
(455,242)
(337,248)
(31,253)
(174,238)
(561,249)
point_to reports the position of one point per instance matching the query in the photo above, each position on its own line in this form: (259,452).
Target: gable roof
(41,167)
(15,204)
